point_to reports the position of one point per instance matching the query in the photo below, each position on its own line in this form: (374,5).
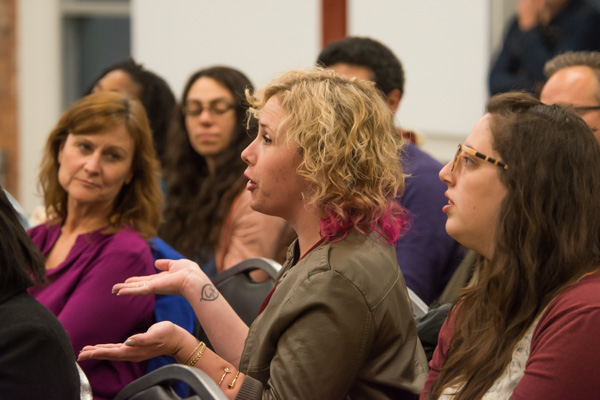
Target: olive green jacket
(339,325)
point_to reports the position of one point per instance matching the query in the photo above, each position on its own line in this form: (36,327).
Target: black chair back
(243,293)
(158,385)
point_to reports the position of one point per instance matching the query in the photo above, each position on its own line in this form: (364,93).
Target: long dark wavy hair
(546,237)
(197,202)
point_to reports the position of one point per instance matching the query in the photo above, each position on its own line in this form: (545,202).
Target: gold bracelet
(192,353)
(200,353)
(232,384)
(223,377)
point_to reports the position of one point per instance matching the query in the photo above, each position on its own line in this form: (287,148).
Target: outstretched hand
(172,281)
(163,338)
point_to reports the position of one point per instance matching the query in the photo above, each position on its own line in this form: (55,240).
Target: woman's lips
(449,205)
(251,185)
(87,183)
(206,137)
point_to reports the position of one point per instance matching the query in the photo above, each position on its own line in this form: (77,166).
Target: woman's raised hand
(163,338)
(174,279)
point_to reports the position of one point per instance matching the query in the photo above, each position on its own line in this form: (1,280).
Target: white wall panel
(444,47)
(39,88)
(261,38)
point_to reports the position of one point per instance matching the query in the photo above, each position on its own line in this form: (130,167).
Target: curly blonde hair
(350,149)
(139,203)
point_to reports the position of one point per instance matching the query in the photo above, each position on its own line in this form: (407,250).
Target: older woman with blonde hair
(99,178)
(339,322)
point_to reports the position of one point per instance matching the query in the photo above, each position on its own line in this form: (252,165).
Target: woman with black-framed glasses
(207,215)
(523,193)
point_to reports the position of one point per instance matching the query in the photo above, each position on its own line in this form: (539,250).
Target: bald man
(574,81)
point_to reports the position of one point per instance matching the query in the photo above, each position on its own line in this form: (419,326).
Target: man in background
(574,81)
(540,30)
(426,254)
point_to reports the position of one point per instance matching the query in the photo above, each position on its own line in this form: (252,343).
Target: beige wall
(39,88)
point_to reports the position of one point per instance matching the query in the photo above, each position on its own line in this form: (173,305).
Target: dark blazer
(36,357)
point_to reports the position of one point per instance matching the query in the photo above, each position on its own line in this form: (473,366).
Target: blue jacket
(426,254)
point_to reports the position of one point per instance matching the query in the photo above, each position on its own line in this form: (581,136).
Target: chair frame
(199,382)
(271,267)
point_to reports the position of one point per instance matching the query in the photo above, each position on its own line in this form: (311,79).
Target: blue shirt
(426,254)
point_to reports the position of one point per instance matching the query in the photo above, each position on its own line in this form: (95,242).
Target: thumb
(163,264)
(141,339)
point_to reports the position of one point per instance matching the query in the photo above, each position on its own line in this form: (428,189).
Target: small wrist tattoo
(209,293)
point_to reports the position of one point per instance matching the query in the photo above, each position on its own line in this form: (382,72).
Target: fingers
(115,351)
(137,347)
(167,282)
(131,285)
(108,351)
(134,282)
(167,265)
(149,338)
(103,346)
(110,354)
(134,279)
(135,289)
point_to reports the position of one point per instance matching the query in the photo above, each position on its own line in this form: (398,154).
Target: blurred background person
(540,30)
(153,91)
(574,82)
(99,181)
(426,254)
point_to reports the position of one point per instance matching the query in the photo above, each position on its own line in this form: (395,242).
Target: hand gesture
(163,338)
(174,280)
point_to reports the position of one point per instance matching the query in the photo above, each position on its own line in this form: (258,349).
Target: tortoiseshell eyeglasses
(475,153)
(582,109)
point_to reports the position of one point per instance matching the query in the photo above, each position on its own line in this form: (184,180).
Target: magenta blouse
(79,294)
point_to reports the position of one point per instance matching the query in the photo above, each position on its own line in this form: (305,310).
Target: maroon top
(563,359)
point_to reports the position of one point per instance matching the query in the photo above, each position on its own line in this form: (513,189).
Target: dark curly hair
(156,97)
(198,202)
(366,52)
